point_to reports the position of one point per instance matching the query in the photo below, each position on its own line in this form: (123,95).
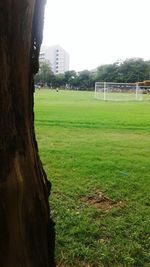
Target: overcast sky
(96,32)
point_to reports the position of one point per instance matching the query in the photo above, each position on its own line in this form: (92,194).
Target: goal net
(118,91)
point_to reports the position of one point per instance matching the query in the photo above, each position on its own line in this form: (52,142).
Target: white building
(57,56)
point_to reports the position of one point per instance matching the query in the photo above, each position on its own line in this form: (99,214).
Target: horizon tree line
(129,70)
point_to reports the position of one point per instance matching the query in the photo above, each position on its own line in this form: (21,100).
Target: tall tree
(26,230)
(45,75)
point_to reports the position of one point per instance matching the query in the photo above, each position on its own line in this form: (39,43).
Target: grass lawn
(97,156)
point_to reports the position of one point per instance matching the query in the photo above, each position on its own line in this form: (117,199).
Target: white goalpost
(118,91)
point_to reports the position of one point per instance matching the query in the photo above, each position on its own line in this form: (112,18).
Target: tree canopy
(130,70)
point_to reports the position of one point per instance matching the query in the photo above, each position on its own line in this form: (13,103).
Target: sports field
(97,156)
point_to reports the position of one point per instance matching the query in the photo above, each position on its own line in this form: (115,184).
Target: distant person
(57,90)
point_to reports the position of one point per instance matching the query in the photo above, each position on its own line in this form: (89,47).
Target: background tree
(70,79)
(26,230)
(130,70)
(45,75)
(134,70)
(85,80)
(59,80)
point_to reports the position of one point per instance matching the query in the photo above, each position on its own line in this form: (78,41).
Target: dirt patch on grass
(101,201)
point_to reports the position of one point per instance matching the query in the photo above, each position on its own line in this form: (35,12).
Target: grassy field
(97,156)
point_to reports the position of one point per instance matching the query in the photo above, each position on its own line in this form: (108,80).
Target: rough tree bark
(26,230)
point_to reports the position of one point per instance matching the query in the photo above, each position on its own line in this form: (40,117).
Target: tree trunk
(26,230)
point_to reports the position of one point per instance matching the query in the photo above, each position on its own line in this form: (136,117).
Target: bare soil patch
(101,201)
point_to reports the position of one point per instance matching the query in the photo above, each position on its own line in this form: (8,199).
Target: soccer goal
(118,91)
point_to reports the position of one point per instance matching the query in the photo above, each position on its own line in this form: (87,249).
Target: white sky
(96,32)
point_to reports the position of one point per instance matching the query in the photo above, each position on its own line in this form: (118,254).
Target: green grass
(88,146)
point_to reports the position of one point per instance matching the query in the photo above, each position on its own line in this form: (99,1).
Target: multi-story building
(57,56)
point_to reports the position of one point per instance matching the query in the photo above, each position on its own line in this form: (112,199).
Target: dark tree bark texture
(26,230)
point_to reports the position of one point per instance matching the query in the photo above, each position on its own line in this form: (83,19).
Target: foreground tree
(26,230)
